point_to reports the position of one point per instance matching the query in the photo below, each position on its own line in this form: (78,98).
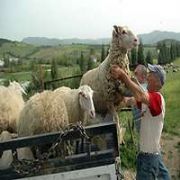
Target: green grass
(17,49)
(171,92)
(26,76)
(71,51)
(19,76)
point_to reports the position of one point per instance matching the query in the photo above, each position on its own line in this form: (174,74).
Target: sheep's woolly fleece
(11,104)
(43,112)
(107,90)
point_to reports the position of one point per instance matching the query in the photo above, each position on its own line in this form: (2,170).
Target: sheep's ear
(116,29)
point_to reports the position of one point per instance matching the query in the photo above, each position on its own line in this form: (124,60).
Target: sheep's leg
(120,140)
(116,119)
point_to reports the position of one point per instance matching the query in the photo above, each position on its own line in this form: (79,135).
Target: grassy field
(171,92)
(26,76)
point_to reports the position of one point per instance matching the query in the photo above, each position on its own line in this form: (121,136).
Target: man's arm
(138,93)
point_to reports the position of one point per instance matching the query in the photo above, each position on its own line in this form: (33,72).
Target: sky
(85,18)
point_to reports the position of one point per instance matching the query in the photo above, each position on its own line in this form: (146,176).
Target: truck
(87,162)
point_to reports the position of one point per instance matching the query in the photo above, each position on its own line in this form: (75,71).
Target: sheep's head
(16,87)
(124,38)
(86,100)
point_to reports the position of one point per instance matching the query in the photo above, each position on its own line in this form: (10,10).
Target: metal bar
(61,79)
(52,137)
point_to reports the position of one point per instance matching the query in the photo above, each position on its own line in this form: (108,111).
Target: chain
(119,173)
(28,167)
(71,127)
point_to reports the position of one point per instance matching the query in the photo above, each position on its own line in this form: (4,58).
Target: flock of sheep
(51,111)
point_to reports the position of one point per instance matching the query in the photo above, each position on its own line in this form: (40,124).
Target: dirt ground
(171,155)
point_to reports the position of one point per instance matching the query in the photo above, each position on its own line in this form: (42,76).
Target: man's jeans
(151,167)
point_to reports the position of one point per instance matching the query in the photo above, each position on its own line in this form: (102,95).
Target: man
(149,161)
(140,73)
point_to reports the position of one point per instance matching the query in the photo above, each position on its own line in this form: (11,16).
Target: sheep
(79,103)
(43,112)
(11,104)
(107,90)
(53,110)
(6,157)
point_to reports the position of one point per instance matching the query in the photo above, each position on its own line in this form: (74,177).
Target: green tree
(6,61)
(54,73)
(54,69)
(172,52)
(39,75)
(82,63)
(178,49)
(164,53)
(91,63)
(133,57)
(140,54)
(149,58)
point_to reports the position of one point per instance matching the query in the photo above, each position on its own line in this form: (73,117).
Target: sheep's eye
(85,96)
(124,32)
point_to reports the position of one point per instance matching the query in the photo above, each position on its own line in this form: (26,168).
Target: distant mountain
(2,41)
(155,36)
(40,41)
(148,38)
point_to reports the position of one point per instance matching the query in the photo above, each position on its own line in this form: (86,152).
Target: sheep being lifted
(53,110)
(109,92)
(11,104)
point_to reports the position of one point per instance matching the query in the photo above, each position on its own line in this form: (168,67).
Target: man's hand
(117,72)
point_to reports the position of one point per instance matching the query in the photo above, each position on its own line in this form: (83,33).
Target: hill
(2,41)
(155,36)
(148,38)
(43,41)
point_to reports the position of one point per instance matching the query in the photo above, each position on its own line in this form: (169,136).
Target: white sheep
(43,112)
(107,90)
(53,110)
(11,104)
(79,103)
(6,158)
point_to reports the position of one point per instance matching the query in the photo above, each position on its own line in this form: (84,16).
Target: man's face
(153,81)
